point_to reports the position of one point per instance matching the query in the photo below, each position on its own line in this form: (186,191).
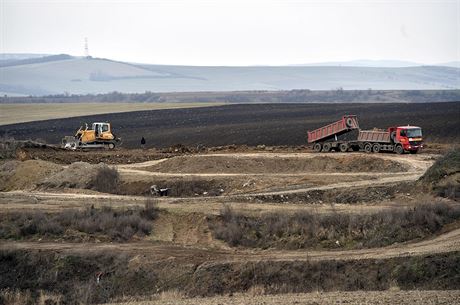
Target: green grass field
(29,112)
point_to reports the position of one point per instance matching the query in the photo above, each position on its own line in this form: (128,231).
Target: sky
(235,32)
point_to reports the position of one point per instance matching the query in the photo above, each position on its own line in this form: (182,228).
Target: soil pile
(230,164)
(16,175)
(117,156)
(77,175)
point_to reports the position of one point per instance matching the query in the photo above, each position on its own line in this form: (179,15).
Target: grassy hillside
(88,75)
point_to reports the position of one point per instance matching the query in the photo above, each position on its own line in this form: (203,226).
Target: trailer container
(346,124)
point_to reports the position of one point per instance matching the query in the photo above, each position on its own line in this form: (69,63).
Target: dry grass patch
(306,229)
(105,223)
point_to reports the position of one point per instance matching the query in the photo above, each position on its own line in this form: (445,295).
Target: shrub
(8,147)
(443,176)
(306,229)
(105,223)
(447,165)
(106,180)
(150,210)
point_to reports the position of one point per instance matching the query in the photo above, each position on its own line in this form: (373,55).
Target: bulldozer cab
(102,131)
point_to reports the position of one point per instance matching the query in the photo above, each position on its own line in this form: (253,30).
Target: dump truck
(98,136)
(345,135)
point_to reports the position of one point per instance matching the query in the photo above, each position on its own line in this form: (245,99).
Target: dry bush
(443,176)
(8,147)
(106,180)
(105,223)
(256,290)
(446,165)
(47,298)
(171,295)
(15,297)
(310,230)
(151,209)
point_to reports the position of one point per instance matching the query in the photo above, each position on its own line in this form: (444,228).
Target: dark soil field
(249,124)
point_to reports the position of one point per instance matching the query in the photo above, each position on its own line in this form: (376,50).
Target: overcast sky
(234,32)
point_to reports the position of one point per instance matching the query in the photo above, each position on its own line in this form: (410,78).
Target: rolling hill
(60,74)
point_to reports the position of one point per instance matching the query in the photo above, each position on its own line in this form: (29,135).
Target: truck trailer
(345,135)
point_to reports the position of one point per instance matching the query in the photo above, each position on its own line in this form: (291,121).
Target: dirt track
(410,168)
(414,167)
(182,236)
(447,242)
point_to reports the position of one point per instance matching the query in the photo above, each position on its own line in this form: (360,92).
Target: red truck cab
(410,137)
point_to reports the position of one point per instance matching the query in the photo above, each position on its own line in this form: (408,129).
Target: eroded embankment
(75,275)
(271,163)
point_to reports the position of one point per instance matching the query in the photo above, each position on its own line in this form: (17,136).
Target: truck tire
(317,147)
(399,149)
(327,147)
(368,148)
(376,148)
(343,147)
(349,122)
(111,146)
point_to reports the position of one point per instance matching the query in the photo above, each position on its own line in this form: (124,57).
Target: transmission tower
(86,48)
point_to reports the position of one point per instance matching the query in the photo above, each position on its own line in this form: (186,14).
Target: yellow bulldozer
(98,136)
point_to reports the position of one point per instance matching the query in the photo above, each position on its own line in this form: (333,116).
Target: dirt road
(414,167)
(447,242)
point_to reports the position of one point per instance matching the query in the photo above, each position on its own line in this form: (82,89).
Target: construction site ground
(251,182)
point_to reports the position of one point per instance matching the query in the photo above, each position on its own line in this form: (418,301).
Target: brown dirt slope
(275,164)
(16,175)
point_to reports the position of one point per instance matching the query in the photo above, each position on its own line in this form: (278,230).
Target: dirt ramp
(16,175)
(275,164)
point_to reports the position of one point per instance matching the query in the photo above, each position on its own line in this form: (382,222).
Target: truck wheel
(111,146)
(376,148)
(349,122)
(399,150)
(317,147)
(343,147)
(368,148)
(327,147)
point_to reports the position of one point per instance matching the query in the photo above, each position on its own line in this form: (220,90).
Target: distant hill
(367,63)
(455,64)
(18,56)
(33,60)
(76,75)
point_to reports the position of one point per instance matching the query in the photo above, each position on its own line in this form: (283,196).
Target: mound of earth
(443,177)
(77,175)
(116,156)
(16,175)
(264,164)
